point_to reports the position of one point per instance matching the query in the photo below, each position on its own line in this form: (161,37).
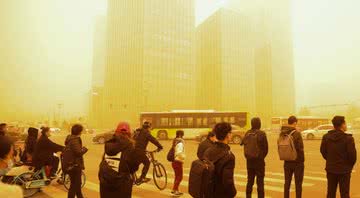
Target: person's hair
(292,120)
(210,135)
(5,146)
(76,129)
(256,123)
(221,130)
(44,130)
(146,125)
(338,121)
(2,126)
(179,133)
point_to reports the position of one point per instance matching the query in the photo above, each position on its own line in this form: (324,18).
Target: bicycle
(159,172)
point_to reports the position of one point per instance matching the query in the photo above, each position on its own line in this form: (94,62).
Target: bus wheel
(310,136)
(236,139)
(162,135)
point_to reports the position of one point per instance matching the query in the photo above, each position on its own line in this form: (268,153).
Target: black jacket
(44,151)
(224,179)
(338,149)
(143,138)
(203,146)
(263,147)
(129,163)
(30,142)
(74,143)
(299,144)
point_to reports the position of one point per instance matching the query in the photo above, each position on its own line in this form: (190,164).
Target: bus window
(199,122)
(205,122)
(188,122)
(164,122)
(226,119)
(177,122)
(232,120)
(217,119)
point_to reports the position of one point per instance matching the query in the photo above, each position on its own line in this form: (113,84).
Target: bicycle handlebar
(154,151)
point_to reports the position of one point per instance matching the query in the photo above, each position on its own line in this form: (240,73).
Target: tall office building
(225,60)
(96,104)
(150,58)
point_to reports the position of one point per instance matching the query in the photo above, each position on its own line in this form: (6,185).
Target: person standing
(255,150)
(3,129)
(44,152)
(178,162)
(224,161)
(339,151)
(204,145)
(142,140)
(120,152)
(30,144)
(295,167)
(73,145)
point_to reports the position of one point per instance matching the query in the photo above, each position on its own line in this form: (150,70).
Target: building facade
(225,60)
(150,58)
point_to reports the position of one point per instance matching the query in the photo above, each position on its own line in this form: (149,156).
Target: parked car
(317,133)
(238,134)
(101,138)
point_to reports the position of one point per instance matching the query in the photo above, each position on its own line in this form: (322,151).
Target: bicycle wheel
(21,181)
(67,181)
(160,176)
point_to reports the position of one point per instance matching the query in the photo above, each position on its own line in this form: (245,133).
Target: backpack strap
(292,132)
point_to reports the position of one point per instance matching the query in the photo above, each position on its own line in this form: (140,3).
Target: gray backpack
(251,147)
(286,147)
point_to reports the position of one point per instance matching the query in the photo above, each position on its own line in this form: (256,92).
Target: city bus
(304,123)
(165,124)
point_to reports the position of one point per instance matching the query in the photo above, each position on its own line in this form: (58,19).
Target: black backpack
(202,178)
(109,175)
(251,145)
(67,160)
(171,154)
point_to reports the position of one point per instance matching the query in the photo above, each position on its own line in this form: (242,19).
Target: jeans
(259,173)
(296,169)
(343,180)
(178,169)
(75,186)
(144,160)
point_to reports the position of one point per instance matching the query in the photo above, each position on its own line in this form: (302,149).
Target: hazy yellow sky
(326,41)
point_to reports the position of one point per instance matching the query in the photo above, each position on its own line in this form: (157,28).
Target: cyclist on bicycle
(142,140)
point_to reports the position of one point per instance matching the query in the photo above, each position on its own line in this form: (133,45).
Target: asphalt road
(314,181)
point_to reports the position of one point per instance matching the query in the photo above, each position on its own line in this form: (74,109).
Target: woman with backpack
(73,161)
(118,165)
(177,164)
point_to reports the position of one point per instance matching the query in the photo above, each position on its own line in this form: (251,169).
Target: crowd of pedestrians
(211,175)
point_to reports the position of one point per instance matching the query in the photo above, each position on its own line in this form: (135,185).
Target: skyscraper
(225,60)
(150,58)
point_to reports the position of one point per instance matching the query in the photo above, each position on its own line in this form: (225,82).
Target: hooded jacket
(203,146)
(224,170)
(143,139)
(298,141)
(74,143)
(31,140)
(263,147)
(338,149)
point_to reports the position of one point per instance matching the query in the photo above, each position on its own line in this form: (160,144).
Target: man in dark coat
(256,166)
(141,142)
(30,144)
(338,149)
(296,167)
(224,162)
(44,152)
(205,145)
(122,146)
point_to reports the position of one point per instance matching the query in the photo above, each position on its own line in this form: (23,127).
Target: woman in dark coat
(121,145)
(30,144)
(74,143)
(44,152)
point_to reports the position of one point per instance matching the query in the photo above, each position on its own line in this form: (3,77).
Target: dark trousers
(124,190)
(54,163)
(296,169)
(259,173)
(178,169)
(343,180)
(75,183)
(144,160)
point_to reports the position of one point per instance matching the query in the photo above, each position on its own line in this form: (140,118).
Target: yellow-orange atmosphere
(49,48)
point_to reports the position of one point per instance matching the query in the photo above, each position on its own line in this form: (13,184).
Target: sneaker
(142,180)
(177,193)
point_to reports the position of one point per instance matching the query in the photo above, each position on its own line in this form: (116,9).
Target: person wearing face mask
(6,155)
(44,152)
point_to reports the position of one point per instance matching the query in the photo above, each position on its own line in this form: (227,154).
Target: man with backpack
(291,150)
(339,151)
(213,177)
(255,150)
